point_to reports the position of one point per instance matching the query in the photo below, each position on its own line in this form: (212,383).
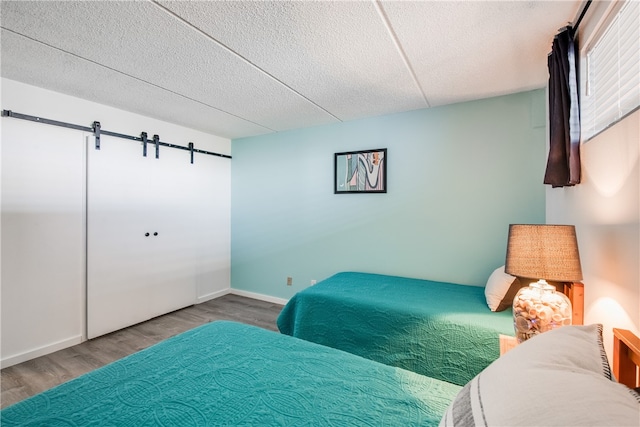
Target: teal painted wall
(458,175)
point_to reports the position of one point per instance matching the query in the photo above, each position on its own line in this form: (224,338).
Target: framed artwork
(360,172)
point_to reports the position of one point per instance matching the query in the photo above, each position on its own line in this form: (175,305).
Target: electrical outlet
(313,282)
(289,281)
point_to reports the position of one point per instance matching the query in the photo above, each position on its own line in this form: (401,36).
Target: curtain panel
(563,164)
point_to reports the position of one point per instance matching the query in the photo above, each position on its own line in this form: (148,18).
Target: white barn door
(143,216)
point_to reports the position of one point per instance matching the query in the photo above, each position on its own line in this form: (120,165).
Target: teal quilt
(440,330)
(230,374)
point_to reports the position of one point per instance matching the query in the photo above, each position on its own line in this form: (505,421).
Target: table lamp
(543,253)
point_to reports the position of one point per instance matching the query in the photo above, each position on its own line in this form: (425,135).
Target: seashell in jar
(545,315)
(522,324)
(548,299)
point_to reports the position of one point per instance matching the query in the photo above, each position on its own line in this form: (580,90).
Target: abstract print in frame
(360,171)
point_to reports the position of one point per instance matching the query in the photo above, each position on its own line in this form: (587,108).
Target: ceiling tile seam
(136,78)
(247,61)
(403,55)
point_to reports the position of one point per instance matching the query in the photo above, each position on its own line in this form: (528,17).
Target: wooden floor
(26,379)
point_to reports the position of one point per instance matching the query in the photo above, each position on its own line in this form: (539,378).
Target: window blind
(611,73)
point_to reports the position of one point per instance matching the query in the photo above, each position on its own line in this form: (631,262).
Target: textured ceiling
(242,68)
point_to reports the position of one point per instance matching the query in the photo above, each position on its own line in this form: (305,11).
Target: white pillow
(500,289)
(558,378)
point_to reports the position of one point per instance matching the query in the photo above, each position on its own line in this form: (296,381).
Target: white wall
(43,227)
(605,209)
(42,239)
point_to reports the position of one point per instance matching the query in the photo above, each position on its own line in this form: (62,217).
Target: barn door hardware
(143,136)
(9,113)
(97,132)
(156,141)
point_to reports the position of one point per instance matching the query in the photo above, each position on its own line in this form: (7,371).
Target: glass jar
(539,308)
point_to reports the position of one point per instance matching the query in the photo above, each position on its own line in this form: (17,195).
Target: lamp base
(575,292)
(539,308)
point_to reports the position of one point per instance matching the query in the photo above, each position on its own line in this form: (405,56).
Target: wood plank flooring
(28,378)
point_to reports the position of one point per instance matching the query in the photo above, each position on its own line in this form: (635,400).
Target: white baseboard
(257,296)
(213,295)
(40,351)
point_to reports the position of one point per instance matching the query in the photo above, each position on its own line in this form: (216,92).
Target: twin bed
(230,374)
(441,330)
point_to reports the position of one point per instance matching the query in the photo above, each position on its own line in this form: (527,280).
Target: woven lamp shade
(548,252)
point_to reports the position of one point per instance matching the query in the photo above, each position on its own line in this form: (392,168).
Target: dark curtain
(563,165)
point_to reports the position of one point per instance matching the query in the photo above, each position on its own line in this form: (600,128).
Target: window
(610,73)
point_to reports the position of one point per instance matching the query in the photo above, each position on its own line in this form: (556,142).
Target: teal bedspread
(441,330)
(230,374)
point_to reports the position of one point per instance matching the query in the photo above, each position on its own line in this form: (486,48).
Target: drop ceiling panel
(105,85)
(478,49)
(337,54)
(142,40)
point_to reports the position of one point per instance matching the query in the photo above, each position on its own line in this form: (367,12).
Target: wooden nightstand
(507,343)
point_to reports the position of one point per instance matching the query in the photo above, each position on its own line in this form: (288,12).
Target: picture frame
(362,171)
